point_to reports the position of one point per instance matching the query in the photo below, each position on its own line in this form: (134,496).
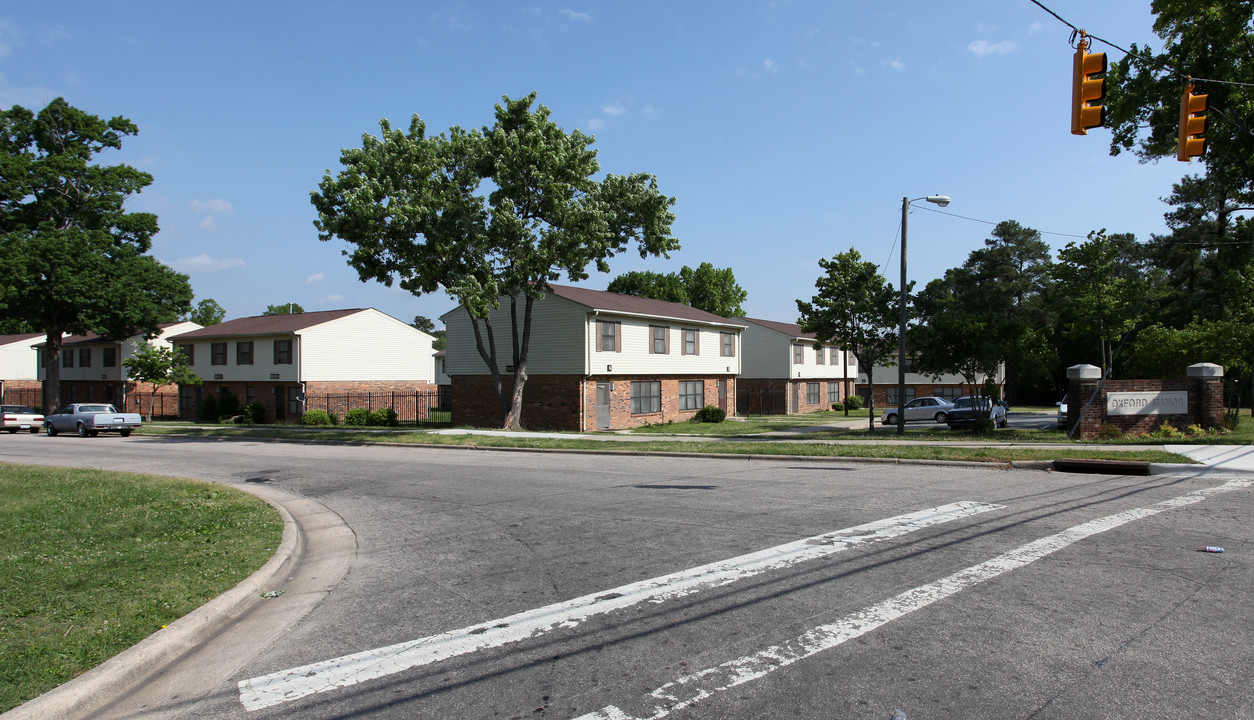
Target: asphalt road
(936,591)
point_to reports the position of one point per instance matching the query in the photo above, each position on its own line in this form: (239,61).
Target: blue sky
(787,131)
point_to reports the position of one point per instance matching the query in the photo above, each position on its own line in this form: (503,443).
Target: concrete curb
(117,676)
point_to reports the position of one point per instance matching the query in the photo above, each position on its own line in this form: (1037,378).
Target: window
(244,353)
(189,352)
(250,394)
(949,393)
(109,357)
(833,392)
(834,357)
(186,394)
(691,344)
(691,394)
(84,357)
(891,396)
(812,393)
(727,344)
(217,352)
(67,358)
(282,352)
(798,354)
(818,356)
(111,394)
(646,397)
(609,332)
(294,401)
(659,340)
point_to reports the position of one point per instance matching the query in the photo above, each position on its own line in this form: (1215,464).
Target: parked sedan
(21,417)
(924,408)
(967,410)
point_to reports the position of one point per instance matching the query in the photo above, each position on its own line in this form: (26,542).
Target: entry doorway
(603,405)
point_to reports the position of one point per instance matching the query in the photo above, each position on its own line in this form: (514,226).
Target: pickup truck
(91,419)
(20,417)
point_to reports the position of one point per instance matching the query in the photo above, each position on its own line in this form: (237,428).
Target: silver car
(925,408)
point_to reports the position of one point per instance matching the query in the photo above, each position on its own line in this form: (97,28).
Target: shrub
(1194,430)
(382,416)
(356,416)
(1109,431)
(228,405)
(710,414)
(1167,430)
(316,417)
(253,413)
(853,402)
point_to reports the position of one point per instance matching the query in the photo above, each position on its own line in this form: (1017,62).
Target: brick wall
(566,402)
(1205,405)
(774,396)
(128,397)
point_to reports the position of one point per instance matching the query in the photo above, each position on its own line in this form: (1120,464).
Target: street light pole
(941,200)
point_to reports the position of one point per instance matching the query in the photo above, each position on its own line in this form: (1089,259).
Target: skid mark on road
(692,689)
(287,685)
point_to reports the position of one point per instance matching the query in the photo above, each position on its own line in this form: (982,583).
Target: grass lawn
(93,562)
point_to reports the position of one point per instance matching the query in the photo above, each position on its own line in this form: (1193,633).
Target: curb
(116,677)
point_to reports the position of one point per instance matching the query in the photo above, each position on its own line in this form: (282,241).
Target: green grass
(93,562)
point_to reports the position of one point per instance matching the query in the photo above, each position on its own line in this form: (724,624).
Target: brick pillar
(1206,383)
(1081,384)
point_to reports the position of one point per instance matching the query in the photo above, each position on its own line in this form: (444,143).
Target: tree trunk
(52,372)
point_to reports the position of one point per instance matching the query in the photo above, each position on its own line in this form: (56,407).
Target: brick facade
(775,396)
(566,402)
(1205,406)
(263,393)
(128,397)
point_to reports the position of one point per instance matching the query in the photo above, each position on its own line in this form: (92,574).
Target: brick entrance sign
(1137,406)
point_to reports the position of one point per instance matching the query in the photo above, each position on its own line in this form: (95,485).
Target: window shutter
(600,331)
(618,337)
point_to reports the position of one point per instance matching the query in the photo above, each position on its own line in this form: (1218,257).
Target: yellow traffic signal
(1087,89)
(1192,125)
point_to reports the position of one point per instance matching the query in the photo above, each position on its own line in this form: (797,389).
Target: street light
(941,200)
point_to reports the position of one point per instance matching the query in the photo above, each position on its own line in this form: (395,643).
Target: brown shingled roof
(791,329)
(266,324)
(616,302)
(9,339)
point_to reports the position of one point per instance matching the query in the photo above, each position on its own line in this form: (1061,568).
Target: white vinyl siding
(561,339)
(18,360)
(123,351)
(769,353)
(364,346)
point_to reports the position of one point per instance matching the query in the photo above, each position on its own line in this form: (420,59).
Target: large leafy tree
(289,308)
(1211,41)
(488,214)
(207,312)
(956,333)
(854,307)
(707,288)
(72,259)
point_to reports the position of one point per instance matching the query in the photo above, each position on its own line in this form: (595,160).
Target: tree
(284,309)
(1207,40)
(955,335)
(416,211)
(206,313)
(427,325)
(72,259)
(1101,291)
(855,308)
(159,366)
(707,288)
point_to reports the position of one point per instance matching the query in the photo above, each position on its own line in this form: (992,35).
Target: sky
(786,131)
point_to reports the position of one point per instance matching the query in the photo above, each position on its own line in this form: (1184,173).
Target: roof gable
(634,305)
(792,330)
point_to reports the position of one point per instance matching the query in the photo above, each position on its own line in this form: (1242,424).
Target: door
(722,395)
(280,404)
(603,405)
(796,397)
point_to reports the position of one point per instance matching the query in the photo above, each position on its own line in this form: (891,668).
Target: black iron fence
(413,409)
(762,401)
(33,397)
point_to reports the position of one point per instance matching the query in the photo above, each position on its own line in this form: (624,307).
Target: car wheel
(12,431)
(891,419)
(941,417)
(94,433)
(52,432)
(34,431)
(1002,423)
(125,433)
(82,430)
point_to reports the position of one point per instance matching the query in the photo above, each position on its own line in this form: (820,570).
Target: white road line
(692,689)
(286,685)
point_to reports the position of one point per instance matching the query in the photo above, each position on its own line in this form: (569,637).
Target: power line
(989,222)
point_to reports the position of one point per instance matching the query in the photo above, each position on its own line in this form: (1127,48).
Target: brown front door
(280,404)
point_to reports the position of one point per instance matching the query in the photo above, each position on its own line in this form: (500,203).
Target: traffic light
(1087,89)
(1192,125)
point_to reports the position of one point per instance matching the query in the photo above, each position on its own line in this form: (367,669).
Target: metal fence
(33,397)
(762,401)
(418,409)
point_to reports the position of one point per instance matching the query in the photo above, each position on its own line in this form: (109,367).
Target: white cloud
(315,278)
(770,65)
(206,264)
(208,223)
(331,300)
(984,48)
(614,110)
(897,65)
(577,16)
(1036,27)
(596,124)
(212,205)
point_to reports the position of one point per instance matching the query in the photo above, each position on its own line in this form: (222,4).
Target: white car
(925,408)
(21,417)
(1062,412)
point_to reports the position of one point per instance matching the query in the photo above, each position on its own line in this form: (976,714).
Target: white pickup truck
(20,417)
(91,419)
